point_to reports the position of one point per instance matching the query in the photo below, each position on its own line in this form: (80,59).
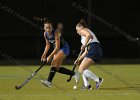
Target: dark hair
(47,21)
(82,23)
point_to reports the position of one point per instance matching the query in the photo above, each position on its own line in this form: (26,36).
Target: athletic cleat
(98,83)
(46,83)
(87,87)
(83,87)
(76,76)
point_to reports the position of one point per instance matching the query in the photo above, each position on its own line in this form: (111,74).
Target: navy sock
(52,73)
(65,71)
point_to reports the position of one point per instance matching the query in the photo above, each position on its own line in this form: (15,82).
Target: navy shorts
(94,51)
(65,48)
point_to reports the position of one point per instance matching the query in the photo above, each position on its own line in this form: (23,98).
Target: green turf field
(120,82)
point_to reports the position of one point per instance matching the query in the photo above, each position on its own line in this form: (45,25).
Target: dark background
(22,41)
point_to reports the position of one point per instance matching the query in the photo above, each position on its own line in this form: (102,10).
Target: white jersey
(83,38)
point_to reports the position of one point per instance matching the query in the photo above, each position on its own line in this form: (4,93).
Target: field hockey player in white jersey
(91,55)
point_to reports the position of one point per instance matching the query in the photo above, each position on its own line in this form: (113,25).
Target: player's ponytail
(83,23)
(40,19)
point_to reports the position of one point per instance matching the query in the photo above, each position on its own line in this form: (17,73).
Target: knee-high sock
(91,75)
(65,71)
(52,74)
(85,80)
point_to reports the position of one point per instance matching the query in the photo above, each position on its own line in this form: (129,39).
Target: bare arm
(83,55)
(47,47)
(87,34)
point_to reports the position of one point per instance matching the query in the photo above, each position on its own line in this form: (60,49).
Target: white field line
(62,94)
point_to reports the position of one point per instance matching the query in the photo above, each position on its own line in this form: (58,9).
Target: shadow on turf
(121,88)
(137,84)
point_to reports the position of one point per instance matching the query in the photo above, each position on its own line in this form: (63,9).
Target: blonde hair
(82,23)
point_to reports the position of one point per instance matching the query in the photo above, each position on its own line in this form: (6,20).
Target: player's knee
(81,70)
(55,68)
(55,63)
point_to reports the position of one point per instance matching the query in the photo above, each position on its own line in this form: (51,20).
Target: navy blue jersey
(51,38)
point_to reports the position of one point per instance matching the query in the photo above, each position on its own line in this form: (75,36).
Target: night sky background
(23,41)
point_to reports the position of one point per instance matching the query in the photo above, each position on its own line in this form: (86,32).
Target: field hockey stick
(74,66)
(29,78)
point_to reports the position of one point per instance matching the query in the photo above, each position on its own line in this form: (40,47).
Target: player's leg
(83,68)
(64,70)
(86,84)
(87,62)
(54,68)
(51,75)
(57,61)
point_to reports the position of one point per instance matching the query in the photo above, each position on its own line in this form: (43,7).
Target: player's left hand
(83,47)
(48,59)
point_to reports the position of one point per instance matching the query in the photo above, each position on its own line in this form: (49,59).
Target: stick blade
(68,80)
(17,87)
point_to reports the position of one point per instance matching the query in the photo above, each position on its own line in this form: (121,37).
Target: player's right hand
(76,62)
(43,57)
(83,47)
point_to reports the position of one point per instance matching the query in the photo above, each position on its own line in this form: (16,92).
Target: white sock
(90,75)
(85,80)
